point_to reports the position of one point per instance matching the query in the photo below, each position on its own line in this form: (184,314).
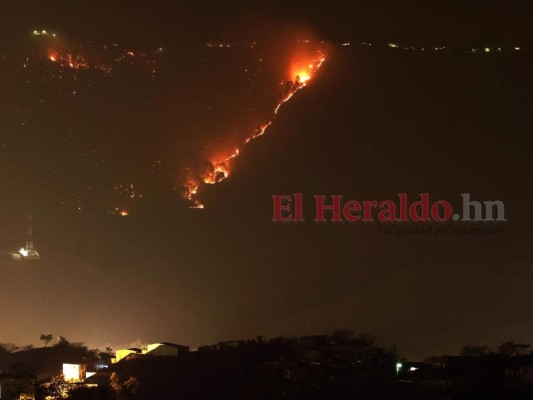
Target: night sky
(156,93)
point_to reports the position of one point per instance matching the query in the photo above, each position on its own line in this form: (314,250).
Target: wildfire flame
(218,170)
(82,56)
(191,191)
(217,173)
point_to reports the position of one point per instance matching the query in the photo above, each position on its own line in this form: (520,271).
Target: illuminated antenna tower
(29,253)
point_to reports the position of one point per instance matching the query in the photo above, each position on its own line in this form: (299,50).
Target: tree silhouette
(123,390)
(46,338)
(471,350)
(512,349)
(58,388)
(342,336)
(62,341)
(8,347)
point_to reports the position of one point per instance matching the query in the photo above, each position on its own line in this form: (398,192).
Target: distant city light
(398,367)
(43,33)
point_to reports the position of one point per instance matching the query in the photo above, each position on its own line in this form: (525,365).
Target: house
(76,372)
(305,343)
(21,388)
(466,371)
(99,379)
(525,374)
(162,349)
(230,344)
(120,354)
(519,370)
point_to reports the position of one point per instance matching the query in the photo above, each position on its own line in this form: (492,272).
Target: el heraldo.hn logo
(335,208)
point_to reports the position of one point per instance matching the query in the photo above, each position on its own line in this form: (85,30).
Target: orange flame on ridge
(219,169)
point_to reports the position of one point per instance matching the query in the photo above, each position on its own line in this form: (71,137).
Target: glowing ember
(120,212)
